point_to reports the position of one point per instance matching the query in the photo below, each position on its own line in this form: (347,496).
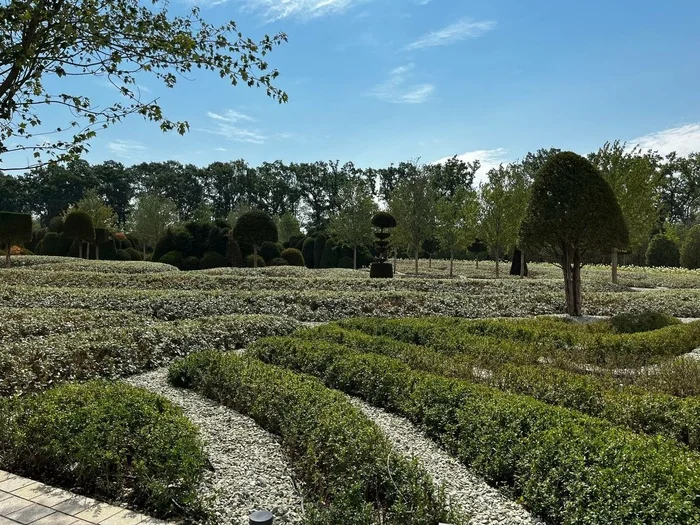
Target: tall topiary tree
(690,251)
(255,227)
(78,225)
(572,211)
(307,249)
(14,228)
(319,245)
(101,236)
(382,221)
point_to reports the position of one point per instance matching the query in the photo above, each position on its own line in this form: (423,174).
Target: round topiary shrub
(78,226)
(134,254)
(383,220)
(662,251)
(213,260)
(217,240)
(690,252)
(173,258)
(52,244)
(191,263)
(114,441)
(251,262)
(307,250)
(641,322)
(345,262)
(255,227)
(270,250)
(175,239)
(293,257)
(123,255)
(278,261)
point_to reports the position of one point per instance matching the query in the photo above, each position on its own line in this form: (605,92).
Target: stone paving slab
(24,501)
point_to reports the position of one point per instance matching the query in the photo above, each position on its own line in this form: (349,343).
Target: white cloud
(489,158)
(272,10)
(231,116)
(461,30)
(398,90)
(126,149)
(683,140)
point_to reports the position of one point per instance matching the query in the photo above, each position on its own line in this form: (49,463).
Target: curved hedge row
(631,407)
(346,464)
(72,264)
(106,440)
(38,363)
(566,467)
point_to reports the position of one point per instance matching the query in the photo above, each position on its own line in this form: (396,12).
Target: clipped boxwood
(213,260)
(134,254)
(631,323)
(348,468)
(346,262)
(174,258)
(191,263)
(278,261)
(254,261)
(270,250)
(123,255)
(566,467)
(307,250)
(107,440)
(293,257)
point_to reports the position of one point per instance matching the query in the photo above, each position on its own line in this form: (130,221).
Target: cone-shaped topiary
(663,251)
(307,250)
(14,228)
(255,227)
(293,257)
(78,225)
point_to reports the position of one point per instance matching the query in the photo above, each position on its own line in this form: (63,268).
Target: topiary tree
(56,224)
(174,258)
(572,211)
(278,261)
(213,260)
(123,255)
(191,263)
(293,257)
(78,226)
(663,251)
(382,221)
(346,262)
(270,250)
(14,228)
(101,236)
(319,245)
(255,227)
(329,257)
(307,250)
(254,261)
(430,246)
(690,251)
(135,254)
(234,256)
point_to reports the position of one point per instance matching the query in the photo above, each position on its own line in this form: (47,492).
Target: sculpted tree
(122,41)
(572,211)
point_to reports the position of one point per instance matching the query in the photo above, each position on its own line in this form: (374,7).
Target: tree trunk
(614,265)
(97,251)
(80,249)
(577,283)
(354,257)
(477,262)
(452,261)
(395,255)
(498,260)
(522,263)
(417,252)
(87,256)
(8,261)
(255,256)
(144,251)
(430,260)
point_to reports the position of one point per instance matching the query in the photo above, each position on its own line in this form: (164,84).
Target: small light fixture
(261,517)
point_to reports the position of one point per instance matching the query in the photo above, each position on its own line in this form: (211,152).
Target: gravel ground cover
(249,468)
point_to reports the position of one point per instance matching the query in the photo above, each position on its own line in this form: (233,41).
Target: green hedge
(603,475)
(347,467)
(37,363)
(109,441)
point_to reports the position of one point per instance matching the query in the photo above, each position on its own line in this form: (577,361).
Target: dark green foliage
(430,246)
(255,227)
(270,250)
(176,239)
(347,468)
(641,322)
(102,235)
(200,232)
(191,263)
(345,262)
(123,255)
(15,227)
(566,467)
(278,261)
(690,251)
(234,257)
(78,225)
(217,241)
(307,250)
(53,244)
(108,250)
(56,224)
(319,245)
(293,257)
(663,251)
(110,440)
(213,260)
(295,241)
(383,220)
(133,240)
(134,254)
(250,261)
(330,255)
(174,258)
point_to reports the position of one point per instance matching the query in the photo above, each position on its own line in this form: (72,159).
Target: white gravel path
(250,469)
(485,505)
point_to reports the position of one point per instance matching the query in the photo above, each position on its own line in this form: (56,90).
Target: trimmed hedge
(250,261)
(173,258)
(38,363)
(293,257)
(566,467)
(213,260)
(278,261)
(349,471)
(106,440)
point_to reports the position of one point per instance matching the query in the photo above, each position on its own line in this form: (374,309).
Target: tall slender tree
(352,225)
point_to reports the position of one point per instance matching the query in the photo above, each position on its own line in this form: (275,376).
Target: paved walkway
(25,501)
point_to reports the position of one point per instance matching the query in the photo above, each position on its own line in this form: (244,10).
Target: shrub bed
(40,362)
(46,263)
(109,441)
(347,466)
(566,467)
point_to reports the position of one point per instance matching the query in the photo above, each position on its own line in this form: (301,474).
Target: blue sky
(380,81)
